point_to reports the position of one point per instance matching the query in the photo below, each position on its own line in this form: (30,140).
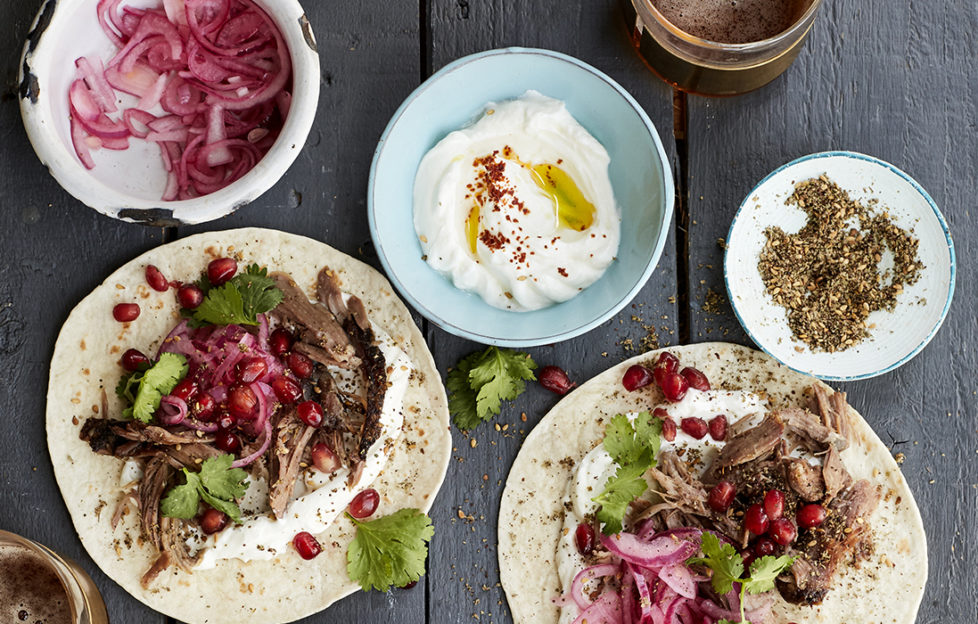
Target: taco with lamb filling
(708,484)
(228,413)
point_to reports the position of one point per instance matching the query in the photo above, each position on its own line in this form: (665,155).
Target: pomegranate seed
(324,459)
(584,538)
(251,369)
(221,270)
(721,496)
(668,429)
(774,504)
(306,545)
(782,531)
(764,547)
(364,504)
(280,341)
(554,379)
(749,557)
(718,428)
(674,387)
(810,516)
(667,361)
(310,413)
(125,312)
(755,520)
(637,376)
(186,390)
(287,391)
(227,442)
(204,407)
(225,421)
(242,402)
(134,360)
(660,413)
(212,521)
(695,378)
(190,296)
(409,585)
(155,279)
(299,364)
(696,428)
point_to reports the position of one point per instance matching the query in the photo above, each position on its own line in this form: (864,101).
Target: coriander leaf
(626,441)
(222,306)
(160,379)
(724,560)
(764,570)
(258,292)
(182,501)
(228,507)
(620,490)
(482,380)
(499,376)
(221,480)
(461,396)
(128,386)
(648,430)
(389,550)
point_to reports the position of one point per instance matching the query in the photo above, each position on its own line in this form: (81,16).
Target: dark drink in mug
(37,586)
(719,47)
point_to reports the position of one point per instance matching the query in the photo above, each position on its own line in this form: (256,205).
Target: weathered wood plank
(54,251)
(464,573)
(895,80)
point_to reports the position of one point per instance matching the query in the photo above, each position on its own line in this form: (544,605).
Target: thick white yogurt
(524,257)
(593,471)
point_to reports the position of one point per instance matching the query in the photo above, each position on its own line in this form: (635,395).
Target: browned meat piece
(326,332)
(162,562)
(750,445)
(374,369)
(112,437)
(805,479)
(843,538)
(804,428)
(190,455)
(155,475)
(99,435)
(329,293)
(288,447)
(139,432)
(173,549)
(834,412)
(834,473)
(678,487)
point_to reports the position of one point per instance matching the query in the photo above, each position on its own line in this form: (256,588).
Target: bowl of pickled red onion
(169,111)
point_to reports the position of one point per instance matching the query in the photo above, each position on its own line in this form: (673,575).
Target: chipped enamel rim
(39,67)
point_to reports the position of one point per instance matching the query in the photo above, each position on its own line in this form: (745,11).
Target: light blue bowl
(455,97)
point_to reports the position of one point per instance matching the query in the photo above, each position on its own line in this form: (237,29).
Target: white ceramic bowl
(128,184)
(899,334)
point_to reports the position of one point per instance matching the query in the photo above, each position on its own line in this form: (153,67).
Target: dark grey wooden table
(891,78)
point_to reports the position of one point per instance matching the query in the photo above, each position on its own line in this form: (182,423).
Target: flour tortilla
(887,588)
(86,361)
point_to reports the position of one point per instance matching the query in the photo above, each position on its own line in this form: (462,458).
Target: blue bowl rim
(668,196)
(919,189)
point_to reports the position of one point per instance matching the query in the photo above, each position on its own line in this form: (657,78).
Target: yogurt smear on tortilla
(593,471)
(518,207)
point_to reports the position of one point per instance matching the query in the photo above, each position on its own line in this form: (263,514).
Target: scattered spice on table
(828,275)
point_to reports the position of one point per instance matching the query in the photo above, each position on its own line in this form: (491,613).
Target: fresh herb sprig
(389,551)
(143,390)
(239,301)
(481,381)
(727,568)
(217,484)
(634,445)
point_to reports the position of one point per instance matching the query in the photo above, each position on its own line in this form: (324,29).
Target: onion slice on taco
(207,477)
(755,494)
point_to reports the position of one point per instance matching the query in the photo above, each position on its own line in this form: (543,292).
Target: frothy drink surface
(732,21)
(29,590)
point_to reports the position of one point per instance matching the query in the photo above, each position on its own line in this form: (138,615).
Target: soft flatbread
(886,589)
(86,360)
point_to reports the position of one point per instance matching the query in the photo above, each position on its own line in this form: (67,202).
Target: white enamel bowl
(128,184)
(898,335)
